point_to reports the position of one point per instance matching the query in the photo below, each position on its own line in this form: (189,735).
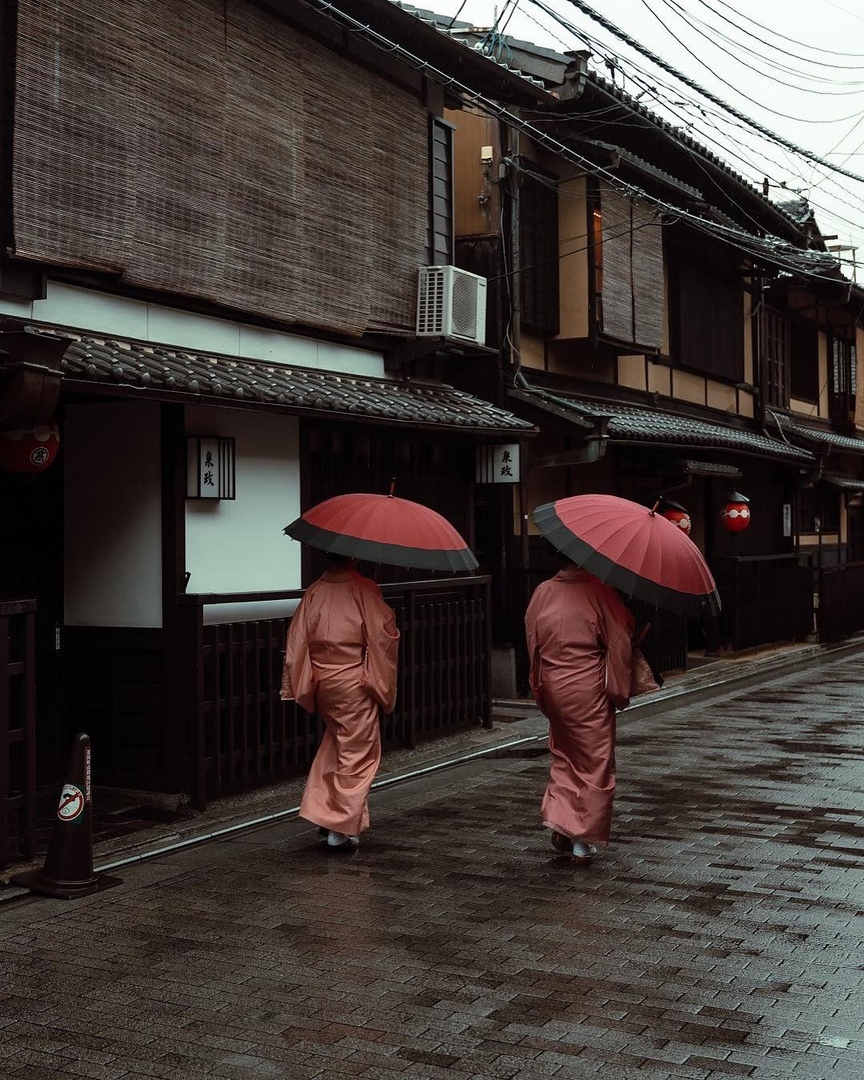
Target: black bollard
(68,870)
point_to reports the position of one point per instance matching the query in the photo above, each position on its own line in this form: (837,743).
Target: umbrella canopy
(632,548)
(384,529)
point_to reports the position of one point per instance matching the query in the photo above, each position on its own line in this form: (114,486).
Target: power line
(705,110)
(720,117)
(714,33)
(832,64)
(774,249)
(783,37)
(586,9)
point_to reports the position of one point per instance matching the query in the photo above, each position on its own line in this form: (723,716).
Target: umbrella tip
(392,487)
(653,509)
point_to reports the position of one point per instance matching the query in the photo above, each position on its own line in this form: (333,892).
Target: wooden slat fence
(241,735)
(766,598)
(17,730)
(841,600)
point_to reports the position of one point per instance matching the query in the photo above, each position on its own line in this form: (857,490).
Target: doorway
(31,568)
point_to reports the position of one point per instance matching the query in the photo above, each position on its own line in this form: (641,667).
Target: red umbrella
(384,529)
(632,548)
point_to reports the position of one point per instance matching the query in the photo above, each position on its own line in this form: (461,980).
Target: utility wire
(646,81)
(775,250)
(725,82)
(783,37)
(700,27)
(586,9)
(705,110)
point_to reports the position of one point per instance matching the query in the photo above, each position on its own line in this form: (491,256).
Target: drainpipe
(515,277)
(515,358)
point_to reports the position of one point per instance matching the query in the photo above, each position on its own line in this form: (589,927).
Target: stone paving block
(719,933)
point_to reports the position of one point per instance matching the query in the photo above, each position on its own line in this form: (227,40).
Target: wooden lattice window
(774,355)
(842,376)
(818,511)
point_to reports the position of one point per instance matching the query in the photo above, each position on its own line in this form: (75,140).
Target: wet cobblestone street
(719,936)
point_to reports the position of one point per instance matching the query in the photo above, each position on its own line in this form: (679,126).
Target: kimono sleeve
(298,680)
(532,613)
(382,648)
(617,629)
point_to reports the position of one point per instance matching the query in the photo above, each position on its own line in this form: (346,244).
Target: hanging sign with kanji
(499,464)
(210,467)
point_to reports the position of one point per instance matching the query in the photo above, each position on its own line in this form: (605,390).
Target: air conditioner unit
(451,303)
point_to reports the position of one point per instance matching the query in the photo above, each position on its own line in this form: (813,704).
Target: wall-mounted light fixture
(210,467)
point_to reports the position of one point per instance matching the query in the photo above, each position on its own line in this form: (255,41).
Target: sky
(795,67)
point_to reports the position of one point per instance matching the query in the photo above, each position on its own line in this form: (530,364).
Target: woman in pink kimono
(580,649)
(340,661)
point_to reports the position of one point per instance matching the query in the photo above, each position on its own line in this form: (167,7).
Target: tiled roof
(646,167)
(166,372)
(452,28)
(641,423)
(830,439)
(844,483)
(711,468)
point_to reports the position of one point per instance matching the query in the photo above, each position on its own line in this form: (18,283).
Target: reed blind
(208,149)
(633,293)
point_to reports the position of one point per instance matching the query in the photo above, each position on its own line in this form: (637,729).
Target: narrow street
(719,936)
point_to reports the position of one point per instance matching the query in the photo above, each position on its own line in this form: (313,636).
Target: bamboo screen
(633,293)
(205,148)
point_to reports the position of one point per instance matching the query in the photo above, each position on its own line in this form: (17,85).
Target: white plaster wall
(113,528)
(238,546)
(103,313)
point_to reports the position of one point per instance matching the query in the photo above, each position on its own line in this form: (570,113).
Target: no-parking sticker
(71,804)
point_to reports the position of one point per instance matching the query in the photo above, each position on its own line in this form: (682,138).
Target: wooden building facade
(676,335)
(213,218)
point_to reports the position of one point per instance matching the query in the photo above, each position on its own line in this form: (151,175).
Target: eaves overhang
(637,425)
(122,368)
(826,441)
(618,156)
(843,483)
(546,403)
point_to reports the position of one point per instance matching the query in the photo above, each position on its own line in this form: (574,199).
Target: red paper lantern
(29,450)
(735,515)
(676,513)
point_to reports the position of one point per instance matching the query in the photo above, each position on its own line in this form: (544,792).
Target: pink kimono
(340,660)
(580,648)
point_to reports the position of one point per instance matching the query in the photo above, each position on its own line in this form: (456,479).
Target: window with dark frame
(855,534)
(440,231)
(842,375)
(804,358)
(774,354)
(818,511)
(706,317)
(538,241)
(596,226)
